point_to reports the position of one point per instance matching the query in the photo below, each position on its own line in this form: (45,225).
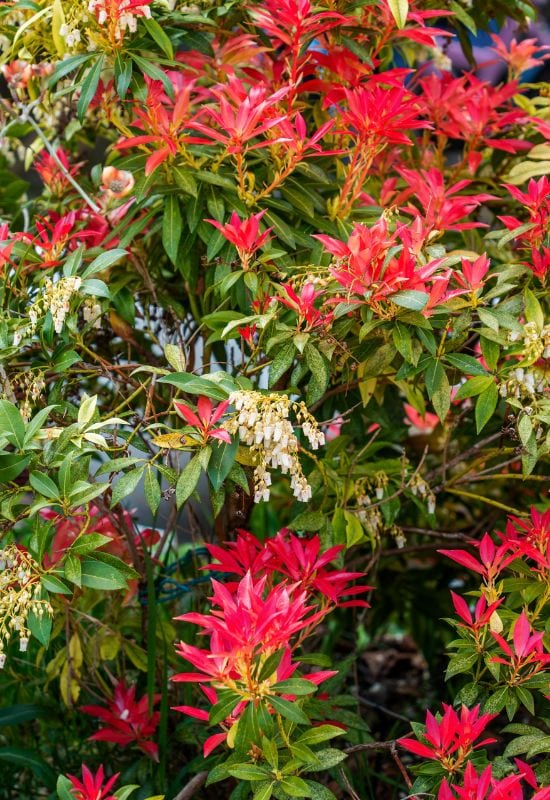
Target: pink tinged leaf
(220,434)
(189,416)
(191,711)
(204,407)
(464,559)
(522,631)
(461,608)
(218,412)
(417,748)
(503,644)
(212,742)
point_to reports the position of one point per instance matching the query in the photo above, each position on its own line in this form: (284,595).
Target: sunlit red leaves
(451,737)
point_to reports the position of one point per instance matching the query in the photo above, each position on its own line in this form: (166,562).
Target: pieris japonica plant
(274,399)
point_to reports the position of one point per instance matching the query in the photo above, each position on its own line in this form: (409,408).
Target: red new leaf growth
(128,721)
(92,787)
(244,234)
(525,656)
(450,738)
(204,421)
(284,590)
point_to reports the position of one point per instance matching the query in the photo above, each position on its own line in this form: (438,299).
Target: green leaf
(326,759)
(282,362)
(221,461)
(27,759)
(156,32)
(486,404)
(295,787)
(11,466)
(533,309)
(40,627)
(154,72)
(496,702)
(263,792)
(410,298)
(290,711)
(72,569)
(296,686)
(195,385)
(104,261)
(460,663)
(43,484)
(125,791)
(399,10)
(184,180)
(11,423)
(123,74)
(227,700)
(87,542)
(270,665)
(97,575)
(89,87)
(188,480)
(248,772)
(14,715)
(54,584)
(151,490)
(320,733)
(317,791)
(467,364)
(474,387)
(126,484)
(172,226)
(320,374)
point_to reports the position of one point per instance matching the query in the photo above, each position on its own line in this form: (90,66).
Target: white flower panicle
(263,424)
(91,312)
(55,298)
(20,594)
(122,13)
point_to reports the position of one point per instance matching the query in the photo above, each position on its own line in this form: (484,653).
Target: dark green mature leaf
(290,711)
(172,226)
(27,759)
(221,461)
(97,575)
(40,627)
(282,362)
(187,481)
(192,384)
(89,87)
(126,484)
(467,364)
(227,700)
(14,715)
(11,423)
(486,404)
(11,466)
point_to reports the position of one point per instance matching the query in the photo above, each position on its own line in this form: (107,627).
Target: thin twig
(192,786)
(84,195)
(401,766)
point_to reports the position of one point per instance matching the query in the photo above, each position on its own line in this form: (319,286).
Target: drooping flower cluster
(119,16)
(20,595)
(56,298)
(263,424)
(284,590)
